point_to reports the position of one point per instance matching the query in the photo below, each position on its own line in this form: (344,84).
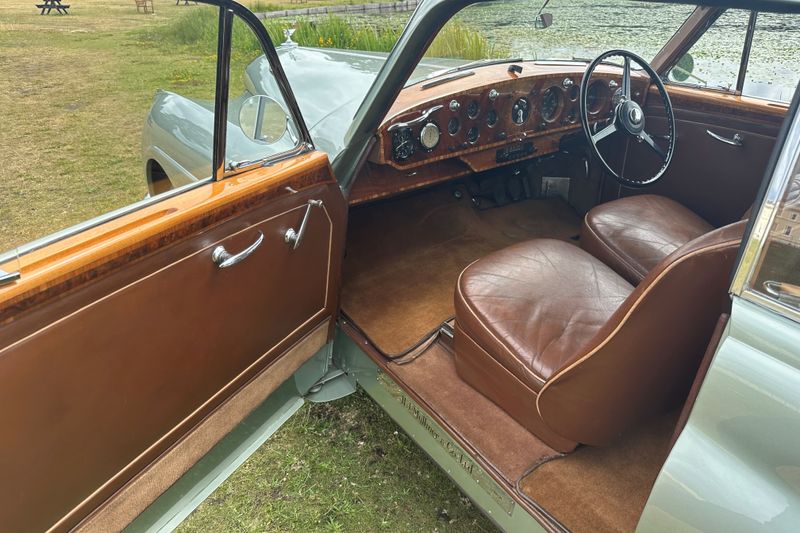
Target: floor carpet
(404,256)
(603,489)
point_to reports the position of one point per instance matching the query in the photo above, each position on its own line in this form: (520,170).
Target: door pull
(294,238)
(737,140)
(8,277)
(223,259)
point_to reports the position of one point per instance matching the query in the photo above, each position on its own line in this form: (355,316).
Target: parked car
(573,282)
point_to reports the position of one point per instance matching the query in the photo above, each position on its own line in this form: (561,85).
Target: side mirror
(545,20)
(262,119)
(682,70)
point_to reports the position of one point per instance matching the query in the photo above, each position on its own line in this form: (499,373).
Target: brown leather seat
(634,234)
(573,351)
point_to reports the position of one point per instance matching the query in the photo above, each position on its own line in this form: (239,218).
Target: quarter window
(259,123)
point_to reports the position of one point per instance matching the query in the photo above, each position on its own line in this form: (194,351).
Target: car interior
(552,305)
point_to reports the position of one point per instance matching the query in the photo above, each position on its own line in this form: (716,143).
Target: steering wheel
(628,117)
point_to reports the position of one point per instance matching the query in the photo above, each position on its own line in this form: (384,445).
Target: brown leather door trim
(186,258)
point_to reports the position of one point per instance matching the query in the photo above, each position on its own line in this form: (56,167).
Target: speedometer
(429,136)
(550,103)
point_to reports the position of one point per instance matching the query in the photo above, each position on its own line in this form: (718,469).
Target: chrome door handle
(294,238)
(737,139)
(223,259)
(8,277)
(783,292)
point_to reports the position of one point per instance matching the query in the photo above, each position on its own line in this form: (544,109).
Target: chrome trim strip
(771,304)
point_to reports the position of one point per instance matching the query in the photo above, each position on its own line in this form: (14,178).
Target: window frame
(305,143)
(227,9)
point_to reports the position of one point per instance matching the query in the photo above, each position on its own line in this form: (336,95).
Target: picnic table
(185,2)
(49,5)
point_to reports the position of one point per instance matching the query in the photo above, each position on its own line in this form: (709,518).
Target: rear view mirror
(545,20)
(682,71)
(262,119)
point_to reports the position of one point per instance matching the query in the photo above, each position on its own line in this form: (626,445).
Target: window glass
(101,108)
(777,276)
(774,67)
(259,123)
(714,60)
(575,29)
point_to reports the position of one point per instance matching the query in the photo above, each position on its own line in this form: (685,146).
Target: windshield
(579,29)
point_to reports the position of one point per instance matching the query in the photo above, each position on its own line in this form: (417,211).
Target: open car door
(121,338)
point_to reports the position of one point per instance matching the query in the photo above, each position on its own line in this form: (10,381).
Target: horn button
(631,117)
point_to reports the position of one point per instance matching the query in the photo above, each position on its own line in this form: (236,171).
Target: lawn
(75,92)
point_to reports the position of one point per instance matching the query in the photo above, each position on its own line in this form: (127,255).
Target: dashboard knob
(454,105)
(568,83)
(493,94)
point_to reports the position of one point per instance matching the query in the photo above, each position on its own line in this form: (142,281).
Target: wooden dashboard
(490,117)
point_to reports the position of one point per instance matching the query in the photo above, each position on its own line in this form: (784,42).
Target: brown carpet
(497,437)
(603,489)
(404,256)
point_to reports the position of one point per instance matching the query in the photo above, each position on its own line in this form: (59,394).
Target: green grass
(340,466)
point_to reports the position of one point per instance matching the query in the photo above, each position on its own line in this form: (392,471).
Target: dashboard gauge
(453,126)
(594,96)
(521,110)
(491,118)
(473,108)
(550,102)
(472,135)
(574,93)
(429,136)
(402,144)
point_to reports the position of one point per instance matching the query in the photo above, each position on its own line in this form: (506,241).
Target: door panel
(137,346)
(716,180)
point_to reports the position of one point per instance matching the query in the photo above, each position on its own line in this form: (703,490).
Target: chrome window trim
(755,241)
(71,231)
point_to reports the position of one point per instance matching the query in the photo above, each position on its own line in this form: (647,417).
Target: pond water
(585,28)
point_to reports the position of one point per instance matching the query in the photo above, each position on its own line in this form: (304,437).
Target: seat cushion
(634,234)
(534,305)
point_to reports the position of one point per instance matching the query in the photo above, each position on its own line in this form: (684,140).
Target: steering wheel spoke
(605,132)
(649,141)
(626,78)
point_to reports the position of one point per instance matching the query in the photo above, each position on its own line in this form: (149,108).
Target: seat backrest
(644,358)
